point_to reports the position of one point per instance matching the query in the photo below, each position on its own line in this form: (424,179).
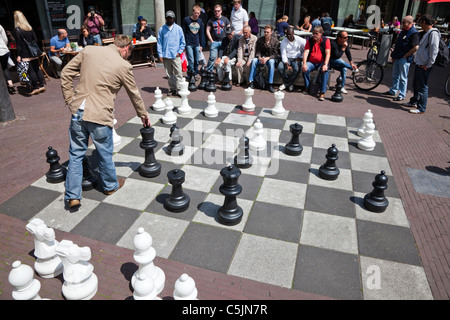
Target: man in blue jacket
(170,45)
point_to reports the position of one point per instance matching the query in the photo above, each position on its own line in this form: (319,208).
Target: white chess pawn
(185,288)
(144,288)
(367,118)
(278,109)
(185,108)
(21,277)
(47,264)
(144,256)
(211,110)
(159,104)
(248,104)
(367,143)
(80,281)
(169,117)
(116,138)
(257,143)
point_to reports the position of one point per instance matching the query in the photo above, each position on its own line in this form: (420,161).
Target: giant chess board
(297,231)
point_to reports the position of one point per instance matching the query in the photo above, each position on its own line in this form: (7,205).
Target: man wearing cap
(170,45)
(137,25)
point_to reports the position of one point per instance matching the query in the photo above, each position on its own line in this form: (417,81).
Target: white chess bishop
(211,110)
(278,109)
(144,256)
(47,264)
(80,281)
(367,143)
(248,104)
(21,277)
(159,104)
(185,288)
(169,117)
(257,143)
(367,118)
(185,108)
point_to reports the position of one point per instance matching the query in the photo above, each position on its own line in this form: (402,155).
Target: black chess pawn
(329,171)
(337,96)
(230,213)
(56,173)
(211,87)
(89,181)
(293,147)
(175,148)
(192,86)
(150,168)
(226,83)
(177,201)
(376,201)
(243,159)
(204,80)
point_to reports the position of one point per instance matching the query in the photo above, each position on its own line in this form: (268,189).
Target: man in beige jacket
(103,72)
(245,53)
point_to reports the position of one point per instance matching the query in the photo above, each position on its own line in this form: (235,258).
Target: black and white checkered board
(298,230)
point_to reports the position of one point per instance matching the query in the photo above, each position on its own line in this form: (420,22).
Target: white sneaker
(344,91)
(282,87)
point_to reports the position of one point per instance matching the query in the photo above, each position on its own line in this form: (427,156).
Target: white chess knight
(185,108)
(211,110)
(21,277)
(367,118)
(257,143)
(47,264)
(80,281)
(185,288)
(144,256)
(278,109)
(116,138)
(367,143)
(248,104)
(144,288)
(169,117)
(159,104)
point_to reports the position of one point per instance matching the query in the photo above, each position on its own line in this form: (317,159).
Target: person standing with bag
(95,24)
(24,34)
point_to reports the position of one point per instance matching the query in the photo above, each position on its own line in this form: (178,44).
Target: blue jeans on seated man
(342,66)
(289,77)
(420,88)
(270,65)
(213,49)
(323,76)
(102,136)
(98,39)
(193,56)
(400,71)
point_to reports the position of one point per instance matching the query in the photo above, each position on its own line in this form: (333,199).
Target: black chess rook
(230,213)
(243,159)
(175,148)
(328,170)
(177,201)
(376,201)
(150,168)
(56,173)
(293,147)
(89,181)
(337,96)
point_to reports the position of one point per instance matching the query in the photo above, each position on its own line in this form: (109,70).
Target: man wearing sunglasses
(215,31)
(339,46)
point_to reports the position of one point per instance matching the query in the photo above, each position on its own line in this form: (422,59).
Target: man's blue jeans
(342,66)
(193,56)
(101,135)
(98,39)
(290,78)
(213,49)
(400,77)
(323,76)
(270,65)
(420,88)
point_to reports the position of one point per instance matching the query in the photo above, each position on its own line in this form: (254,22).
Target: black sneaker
(271,90)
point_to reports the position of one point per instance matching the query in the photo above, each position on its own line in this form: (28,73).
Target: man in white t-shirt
(291,49)
(239,17)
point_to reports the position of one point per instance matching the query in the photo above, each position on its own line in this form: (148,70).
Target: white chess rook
(367,143)
(144,256)
(211,110)
(80,281)
(159,104)
(169,117)
(278,109)
(185,108)
(185,288)
(47,264)
(257,143)
(248,104)
(21,277)
(367,118)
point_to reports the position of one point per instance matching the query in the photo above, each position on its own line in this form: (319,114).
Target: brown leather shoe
(41,89)
(74,203)
(121,183)
(34,92)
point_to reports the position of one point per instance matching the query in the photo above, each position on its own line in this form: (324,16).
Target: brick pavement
(414,141)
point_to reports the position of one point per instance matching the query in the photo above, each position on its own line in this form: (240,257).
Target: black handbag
(32,47)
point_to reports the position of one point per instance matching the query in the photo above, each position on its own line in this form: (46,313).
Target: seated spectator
(137,24)
(85,38)
(339,46)
(361,20)
(348,22)
(291,49)
(144,31)
(326,23)
(58,44)
(306,26)
(266,54)
(245,53)
(282,25)
(317,56)
(253,23)
(394,23)
(226,55)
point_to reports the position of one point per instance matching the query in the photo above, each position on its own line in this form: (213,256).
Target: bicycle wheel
(447,86)
(369,75)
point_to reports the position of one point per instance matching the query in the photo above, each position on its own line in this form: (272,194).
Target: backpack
(442,57)
(22,71)
(259,80)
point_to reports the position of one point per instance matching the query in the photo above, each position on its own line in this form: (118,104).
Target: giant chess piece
(21,277)
(257,143)
(329,171)
(293,147)
(47,264)
(144,255)
(375,201)
(204,80)
(192,87)
(211,110)
(116,138)
(211,87)
(175,148)
(243,159)
(184,108)
(89,181)
(144,288)
(177,201)
(150,168)
(169,117)
(80,281)
(184,288)
(278,109)
(230,213)
(159,104)
(337,96)
(56,173)
(367,143)
(226,82)
(248,104)
(367,118)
